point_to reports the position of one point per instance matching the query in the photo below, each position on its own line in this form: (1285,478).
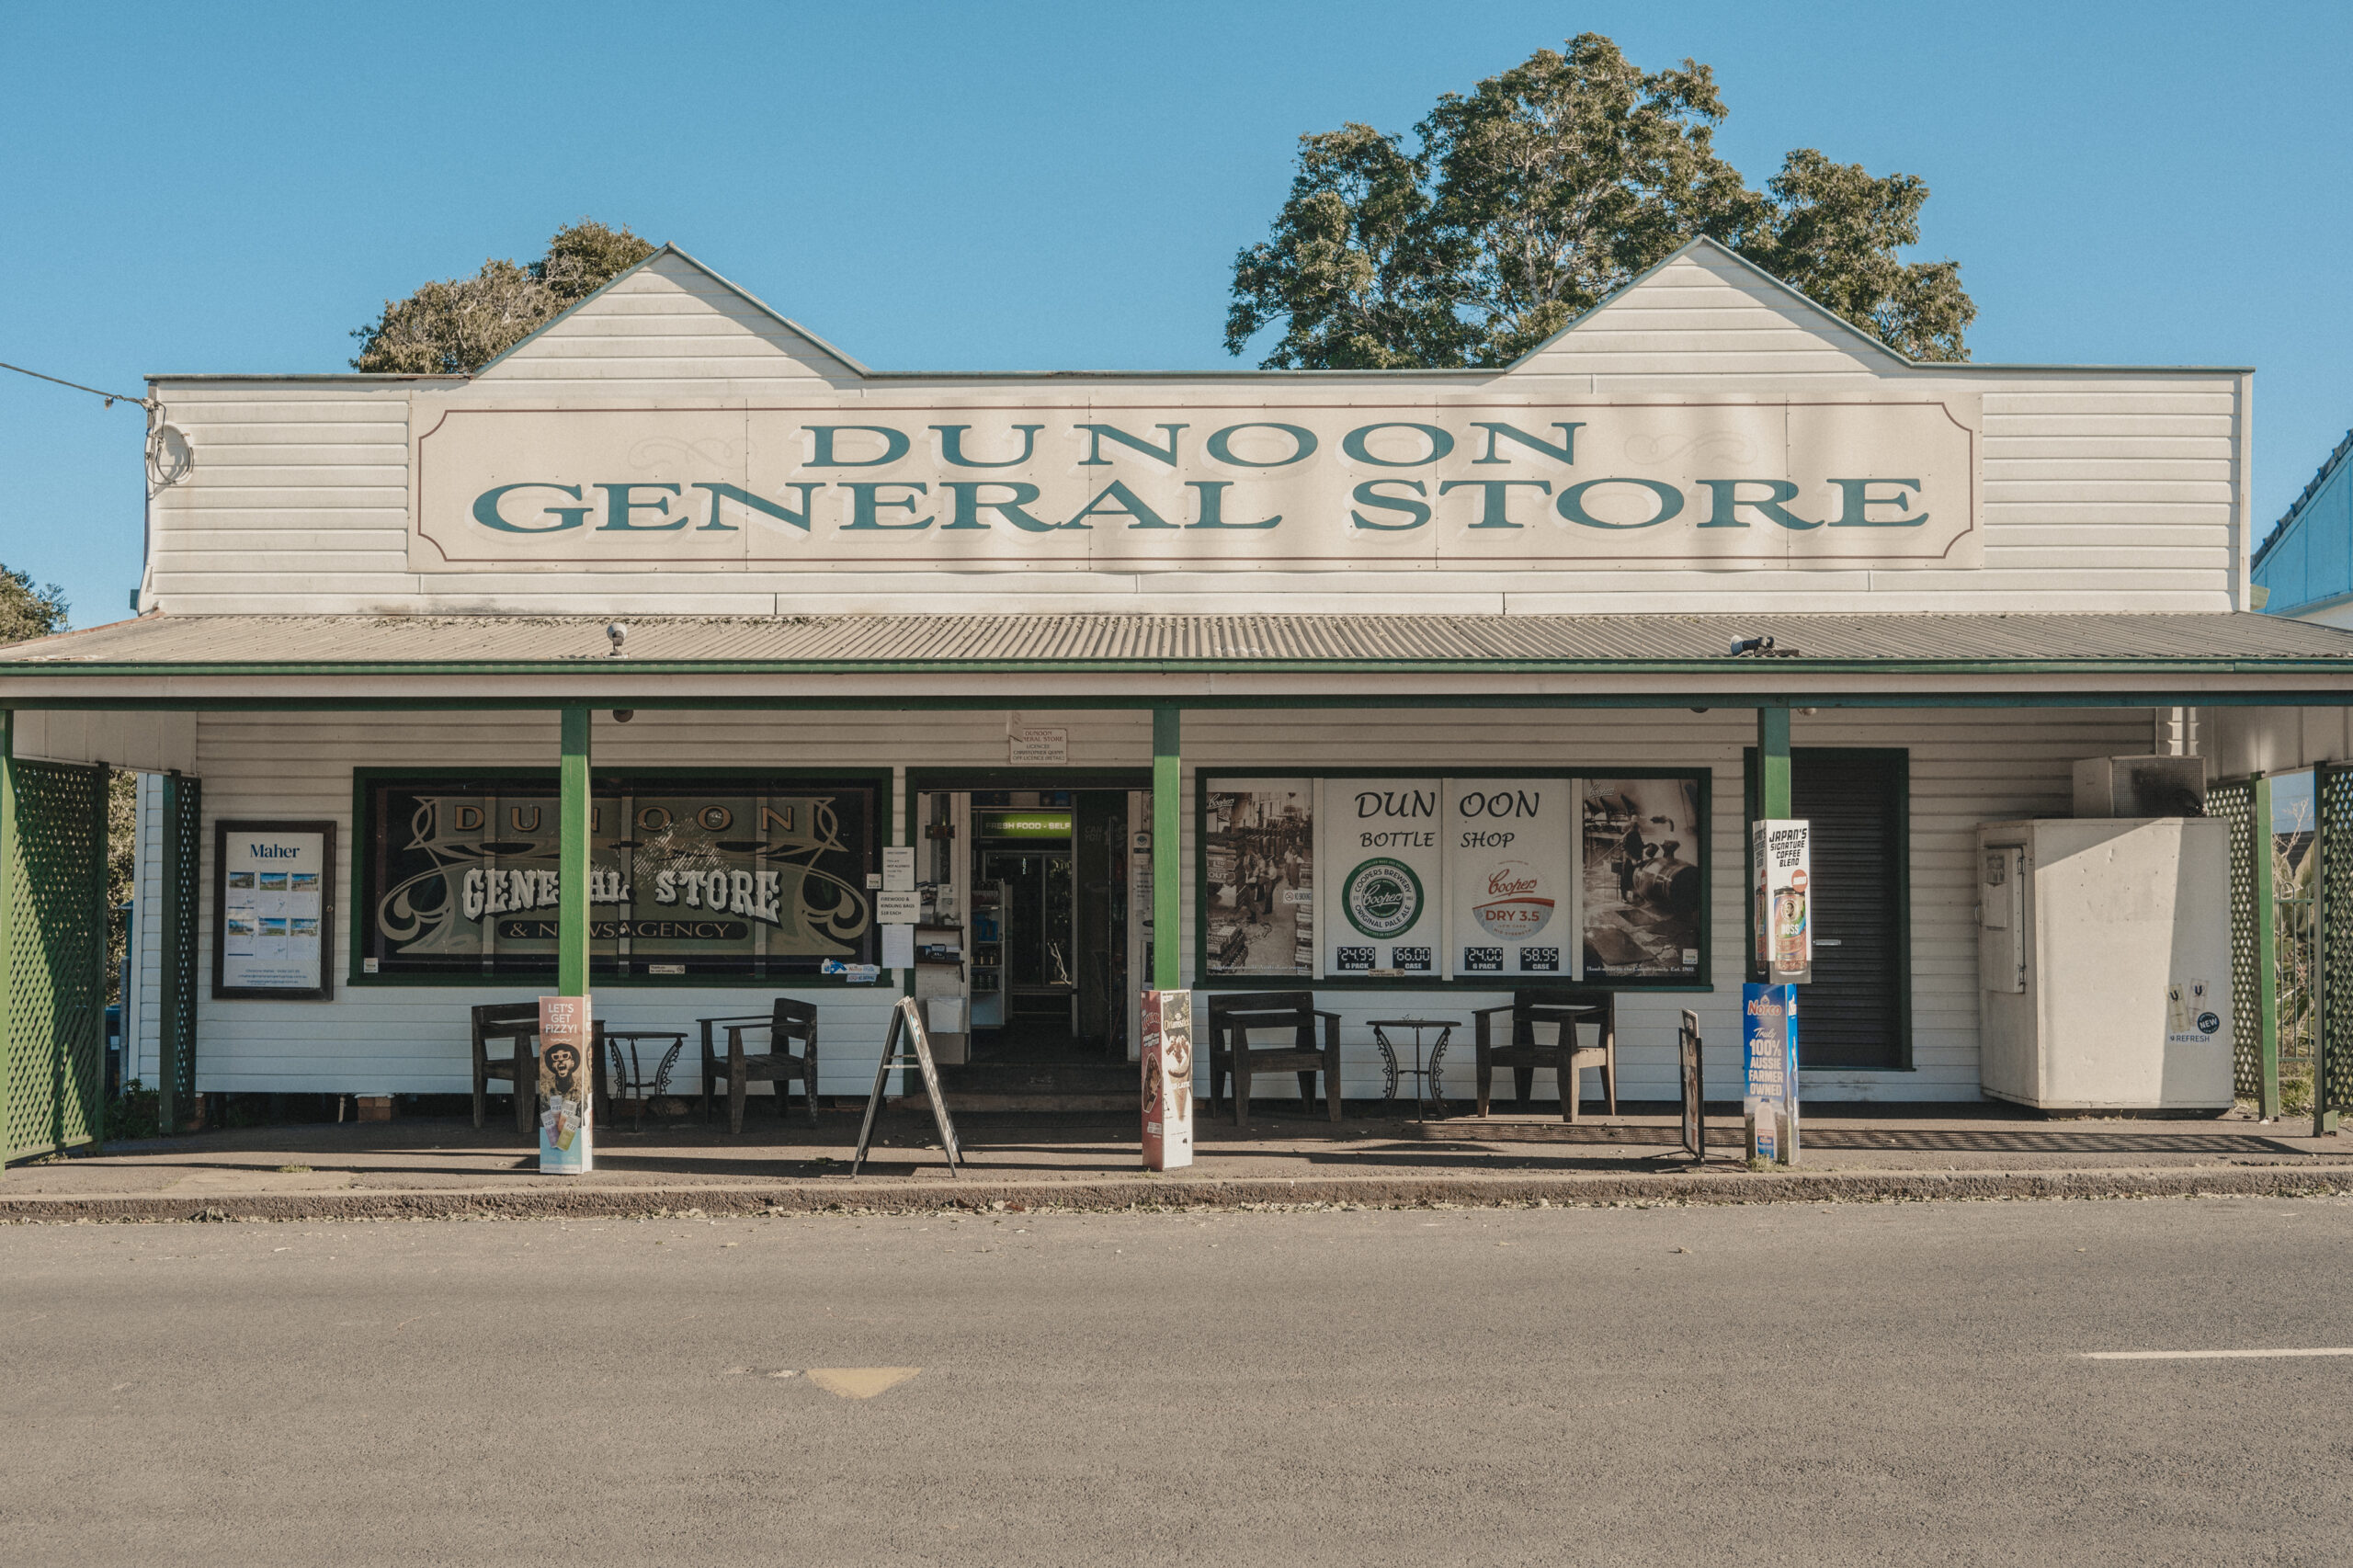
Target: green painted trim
(1698,702)
(1167,849)
(180,904)
(2267,950)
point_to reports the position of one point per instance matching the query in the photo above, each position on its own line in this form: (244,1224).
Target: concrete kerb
(1140,1193)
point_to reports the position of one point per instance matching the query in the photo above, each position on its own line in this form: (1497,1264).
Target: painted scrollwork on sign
(725,876)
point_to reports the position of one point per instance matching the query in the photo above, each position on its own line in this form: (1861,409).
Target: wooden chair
(1231,1017)
(792,1023)
(1565,1011)
(517,1023)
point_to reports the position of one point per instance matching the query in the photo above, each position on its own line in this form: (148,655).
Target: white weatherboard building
(1437,663)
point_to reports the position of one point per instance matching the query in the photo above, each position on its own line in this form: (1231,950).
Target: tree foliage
(458,325)
(26,611)
(1516,208)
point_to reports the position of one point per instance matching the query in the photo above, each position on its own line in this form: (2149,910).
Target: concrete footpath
(420,1167)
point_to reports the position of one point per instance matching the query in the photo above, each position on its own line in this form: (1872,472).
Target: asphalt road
(1765,1385)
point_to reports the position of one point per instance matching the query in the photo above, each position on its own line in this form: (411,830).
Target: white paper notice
(898,947)
(899,869)
(898,908)
(273,911)
(1037,748)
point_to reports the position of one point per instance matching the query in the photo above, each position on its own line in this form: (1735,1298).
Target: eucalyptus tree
(456,325)
(1515,208)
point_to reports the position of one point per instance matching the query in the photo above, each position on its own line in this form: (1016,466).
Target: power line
(112,398)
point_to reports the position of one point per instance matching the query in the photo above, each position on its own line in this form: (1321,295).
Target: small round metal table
(1428,1086)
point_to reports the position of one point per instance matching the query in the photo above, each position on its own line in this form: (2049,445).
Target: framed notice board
(273,910)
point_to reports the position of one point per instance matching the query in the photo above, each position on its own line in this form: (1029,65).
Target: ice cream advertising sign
(1509,882)
(1384,846)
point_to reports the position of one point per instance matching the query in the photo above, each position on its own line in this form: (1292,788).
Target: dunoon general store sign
(1193,487)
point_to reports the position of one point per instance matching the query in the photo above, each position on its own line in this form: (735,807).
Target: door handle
(1829,942)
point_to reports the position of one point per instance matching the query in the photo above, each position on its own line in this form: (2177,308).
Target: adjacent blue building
(2305,568)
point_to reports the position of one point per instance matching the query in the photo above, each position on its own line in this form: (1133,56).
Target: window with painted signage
(1505,880)
(705,874)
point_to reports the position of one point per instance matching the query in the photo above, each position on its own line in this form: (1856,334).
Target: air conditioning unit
(2141,786)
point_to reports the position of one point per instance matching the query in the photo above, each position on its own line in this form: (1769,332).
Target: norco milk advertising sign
(1838,484)
(1780,876)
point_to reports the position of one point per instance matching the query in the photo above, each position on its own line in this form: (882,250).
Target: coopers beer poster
(1384,835)
(1510,880)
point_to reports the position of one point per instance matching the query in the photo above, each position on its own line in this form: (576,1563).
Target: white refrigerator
(2104,963)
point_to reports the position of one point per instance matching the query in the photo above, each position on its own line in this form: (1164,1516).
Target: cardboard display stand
(1769,1049)
(908,1045)
(1168,1060)
(566,1086)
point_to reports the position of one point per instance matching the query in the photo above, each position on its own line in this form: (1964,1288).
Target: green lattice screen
(53,914)
(2332,1069)
(2234,804)
(183,820)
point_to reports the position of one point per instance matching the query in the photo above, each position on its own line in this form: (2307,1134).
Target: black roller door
(1853,1012)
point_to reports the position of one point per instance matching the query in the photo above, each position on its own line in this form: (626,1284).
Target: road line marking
(859,1382)
(2210,1355)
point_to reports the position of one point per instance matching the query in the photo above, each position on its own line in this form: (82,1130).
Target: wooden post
(1167,839)
(1773,763)
(571,861)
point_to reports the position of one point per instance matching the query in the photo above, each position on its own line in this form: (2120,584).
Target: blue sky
(235,188)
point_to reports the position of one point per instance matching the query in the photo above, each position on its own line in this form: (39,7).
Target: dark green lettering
(896,446)
(951,447)
(1725,513)
(1212,510)
(1221,445)
(1565,452)
(1496,512)
(1368,494)
(1858,500)
(866,500)
(1353,443)
(1097,434)
(968,505)
(486,509)
(1572,502)
(620,503)
(781,513)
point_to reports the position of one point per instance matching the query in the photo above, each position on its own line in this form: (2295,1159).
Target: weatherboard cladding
(2108,488)
(1051,641)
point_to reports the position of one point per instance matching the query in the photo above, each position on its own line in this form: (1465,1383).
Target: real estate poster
(1511,876)
(273,909)
(1383,837)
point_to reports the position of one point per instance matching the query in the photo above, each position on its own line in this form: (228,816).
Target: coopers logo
(1382,897)
(1542,484)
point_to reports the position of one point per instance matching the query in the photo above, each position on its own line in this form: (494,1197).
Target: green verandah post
(1772,763)
(572,859)
(1167,839)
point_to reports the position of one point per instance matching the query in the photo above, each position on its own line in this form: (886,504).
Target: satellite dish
(170,458)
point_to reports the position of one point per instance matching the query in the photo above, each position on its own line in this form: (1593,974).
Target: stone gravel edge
(1121,1194)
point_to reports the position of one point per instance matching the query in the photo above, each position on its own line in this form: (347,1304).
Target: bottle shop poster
(1781,874)
(568,1086)
(1768,1035)
(273,910)
(1382,841)
(1510,880)
(1167,1055)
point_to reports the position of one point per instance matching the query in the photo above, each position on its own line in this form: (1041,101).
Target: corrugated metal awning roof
(335,644)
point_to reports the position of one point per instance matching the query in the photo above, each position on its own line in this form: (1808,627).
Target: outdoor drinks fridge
(2104,962)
